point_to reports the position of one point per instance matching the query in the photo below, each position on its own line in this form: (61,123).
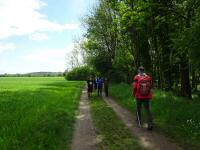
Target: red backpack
(144,85)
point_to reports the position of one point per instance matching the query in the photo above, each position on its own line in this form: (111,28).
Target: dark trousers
(106,90)
(95,86)
(99,88)
(146,104)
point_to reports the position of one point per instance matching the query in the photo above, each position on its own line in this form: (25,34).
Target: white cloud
(47,55)
(5,47)
(23,17)
(38,37)
(48,59)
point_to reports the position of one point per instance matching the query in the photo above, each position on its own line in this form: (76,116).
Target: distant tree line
(34,74)
(80,73)
(161,35)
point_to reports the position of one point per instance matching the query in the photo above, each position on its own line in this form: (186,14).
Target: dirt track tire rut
(150,140)
(84,137)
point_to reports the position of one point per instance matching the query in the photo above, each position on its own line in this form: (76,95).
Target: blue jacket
(99,82)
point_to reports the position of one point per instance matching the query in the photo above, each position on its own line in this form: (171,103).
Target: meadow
(176,117)
(37,112)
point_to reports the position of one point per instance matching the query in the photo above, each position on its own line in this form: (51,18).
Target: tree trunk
(185,72)
(185,81)
(194,81)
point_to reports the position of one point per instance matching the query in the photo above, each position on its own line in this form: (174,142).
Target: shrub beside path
(150,140)
(84,137)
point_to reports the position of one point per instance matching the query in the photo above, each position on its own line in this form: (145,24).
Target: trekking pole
(137,116)
(138,119)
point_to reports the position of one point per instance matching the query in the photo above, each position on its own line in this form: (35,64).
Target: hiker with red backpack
(142,85)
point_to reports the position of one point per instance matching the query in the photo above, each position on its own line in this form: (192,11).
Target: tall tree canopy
(163,36)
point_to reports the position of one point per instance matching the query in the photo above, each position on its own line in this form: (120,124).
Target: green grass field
(37,112)
(175,116)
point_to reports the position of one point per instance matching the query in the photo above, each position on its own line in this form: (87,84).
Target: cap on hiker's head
(141,69)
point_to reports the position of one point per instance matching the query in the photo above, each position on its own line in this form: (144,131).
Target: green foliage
(115,137)
(189,41)
(175,116)
(123,67)
(37,112)
(80,73)
(161,35)
(123,95)
(178,118)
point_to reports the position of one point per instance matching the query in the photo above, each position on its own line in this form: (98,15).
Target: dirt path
(149,139)
(84,137)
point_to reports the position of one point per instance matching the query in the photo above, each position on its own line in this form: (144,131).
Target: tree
(161,35)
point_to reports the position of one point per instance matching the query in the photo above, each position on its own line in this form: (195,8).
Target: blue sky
(37,35)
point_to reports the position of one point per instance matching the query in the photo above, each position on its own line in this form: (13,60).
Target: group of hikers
(142,85)
(97,83)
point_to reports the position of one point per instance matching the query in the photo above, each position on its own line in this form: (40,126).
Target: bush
(79,73)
